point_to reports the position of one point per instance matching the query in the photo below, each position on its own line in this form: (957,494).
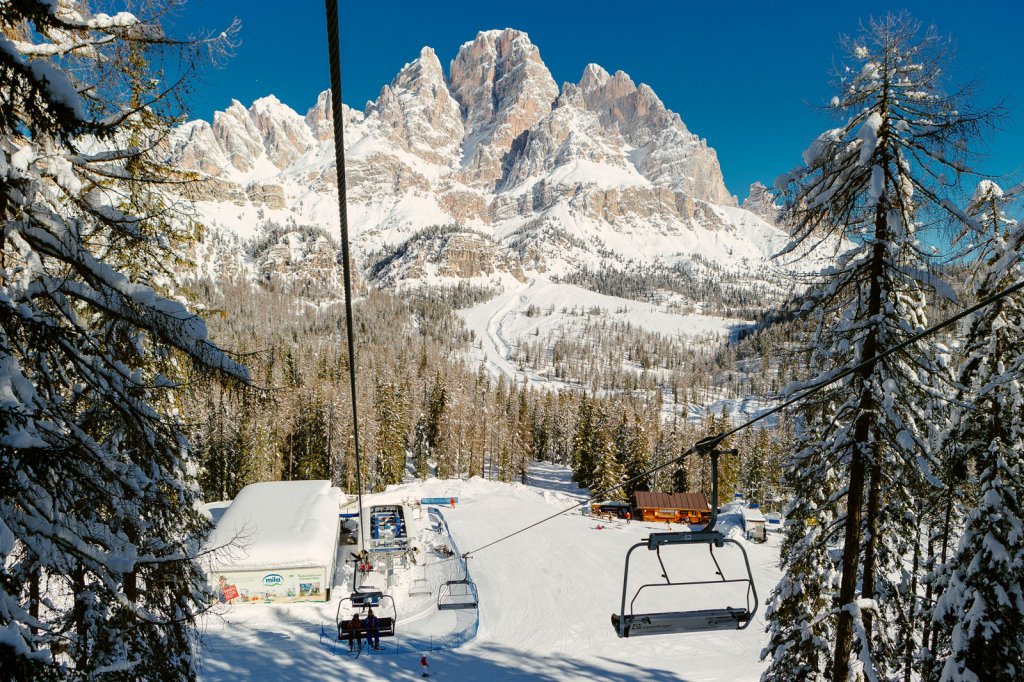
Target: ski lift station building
(276,542)
(671,507)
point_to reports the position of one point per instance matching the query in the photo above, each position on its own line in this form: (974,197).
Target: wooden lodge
(671,507)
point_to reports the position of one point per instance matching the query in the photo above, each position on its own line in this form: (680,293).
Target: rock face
(761,203)
(503,88)
(597,171)
(418,112)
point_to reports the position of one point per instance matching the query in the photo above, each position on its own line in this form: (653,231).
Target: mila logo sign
(273,579)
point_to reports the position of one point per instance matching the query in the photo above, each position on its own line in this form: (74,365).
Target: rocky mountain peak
(550,180)
(319,118)
(284,133)
(761,202)
(594,77)
(418,112)
(237,136)
(664,151)
(503,89)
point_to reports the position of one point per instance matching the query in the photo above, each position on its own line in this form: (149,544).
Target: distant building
(610,508)
(671,507)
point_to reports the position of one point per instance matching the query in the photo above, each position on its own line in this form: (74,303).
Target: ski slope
(546,597)
(502,322)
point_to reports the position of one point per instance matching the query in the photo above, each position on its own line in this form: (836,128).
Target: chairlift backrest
(457,594)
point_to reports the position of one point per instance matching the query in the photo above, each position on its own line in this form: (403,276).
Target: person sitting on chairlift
(353,634)
(362,561)
(372,630)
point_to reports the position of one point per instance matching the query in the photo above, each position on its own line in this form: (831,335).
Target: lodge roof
(689,501)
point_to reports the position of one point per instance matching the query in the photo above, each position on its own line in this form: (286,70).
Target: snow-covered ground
(502,321)
(546,597)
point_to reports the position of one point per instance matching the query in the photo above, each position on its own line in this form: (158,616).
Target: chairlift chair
(457,594)
(361,602)
(420,586)
(630,623)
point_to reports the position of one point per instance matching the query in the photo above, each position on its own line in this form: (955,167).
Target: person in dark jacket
(372,626)
(353,634)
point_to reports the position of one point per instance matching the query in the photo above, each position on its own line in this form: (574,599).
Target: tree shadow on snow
(277,645)
(547,476)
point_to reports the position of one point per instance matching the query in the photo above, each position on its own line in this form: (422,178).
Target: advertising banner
(448,501)
(271,587)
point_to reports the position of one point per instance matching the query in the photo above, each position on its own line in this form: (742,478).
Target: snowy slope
(503,321)
(545,602)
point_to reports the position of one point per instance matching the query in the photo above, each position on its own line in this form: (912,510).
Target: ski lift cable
(711,442)
(334,55)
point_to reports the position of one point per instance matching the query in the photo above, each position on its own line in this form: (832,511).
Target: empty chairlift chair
(629,623)
(457,594)
(420,586)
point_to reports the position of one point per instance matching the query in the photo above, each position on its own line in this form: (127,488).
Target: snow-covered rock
(600,172)
(761,203)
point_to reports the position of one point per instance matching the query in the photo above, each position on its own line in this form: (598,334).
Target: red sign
(230,592)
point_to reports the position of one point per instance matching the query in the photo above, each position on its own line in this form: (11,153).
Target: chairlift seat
(419,586)
(385,629)
(363,602)
(636,624)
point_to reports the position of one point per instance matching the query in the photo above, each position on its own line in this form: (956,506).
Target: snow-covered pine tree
(437,426)
(391,414)
(868,186)
(421,448)
(98,517)
(608,471)
(307,445)
(801,629)
(638,459)
(583,456)
(980,615)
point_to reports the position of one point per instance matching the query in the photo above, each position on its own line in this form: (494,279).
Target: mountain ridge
(594,172)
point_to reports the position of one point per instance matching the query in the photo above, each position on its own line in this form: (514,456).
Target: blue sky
(743,75)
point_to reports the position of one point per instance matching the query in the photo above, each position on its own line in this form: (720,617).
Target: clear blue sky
(740,74)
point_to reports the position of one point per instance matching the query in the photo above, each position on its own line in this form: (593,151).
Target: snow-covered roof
(753,514)
(282,524)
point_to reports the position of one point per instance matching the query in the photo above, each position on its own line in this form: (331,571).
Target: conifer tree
(98,497)
(874,181)
(583,455)
(391,416)
(421,447)
(980,614)
(638,459)
(608,471)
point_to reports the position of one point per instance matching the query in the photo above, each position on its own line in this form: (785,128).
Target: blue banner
(439,500)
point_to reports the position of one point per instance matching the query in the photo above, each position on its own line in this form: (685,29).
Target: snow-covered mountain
(533,177)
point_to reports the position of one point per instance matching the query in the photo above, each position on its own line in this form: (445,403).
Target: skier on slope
(425,666)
